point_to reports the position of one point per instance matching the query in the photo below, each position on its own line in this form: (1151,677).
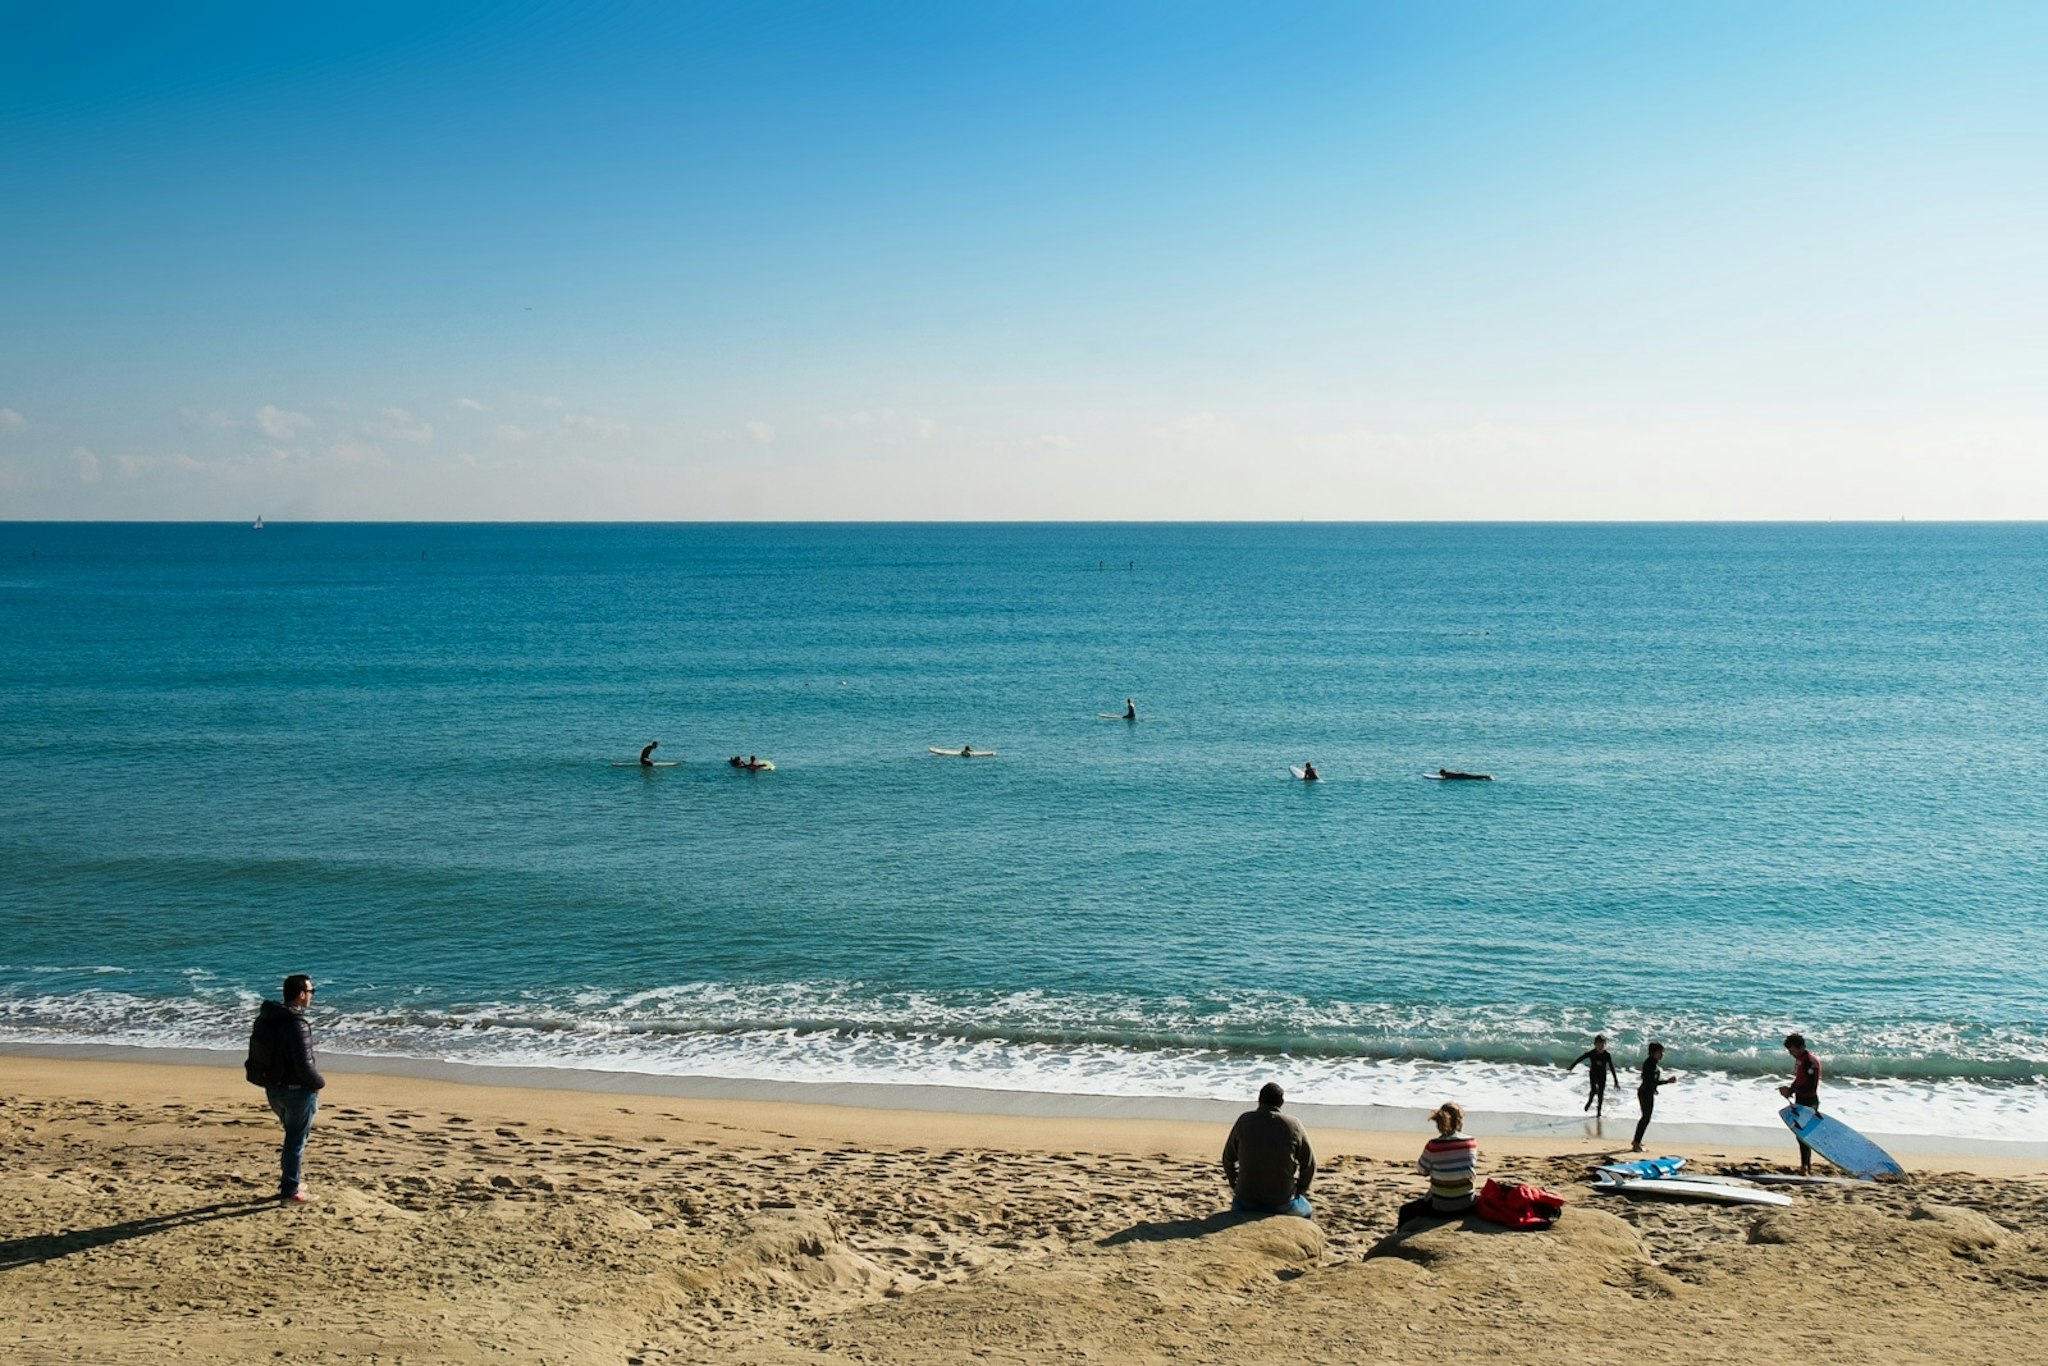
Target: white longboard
(1302,774)
(1839,1143)
(1686,1188)
(963,752)
(635,763)
(1115,716)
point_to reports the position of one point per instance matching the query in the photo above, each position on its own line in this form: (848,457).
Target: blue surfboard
(1839,1143)
(1647,1167)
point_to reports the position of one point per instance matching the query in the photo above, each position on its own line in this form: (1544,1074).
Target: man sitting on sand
(1267,1159)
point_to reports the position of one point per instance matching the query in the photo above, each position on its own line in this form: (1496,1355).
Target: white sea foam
(741,1042)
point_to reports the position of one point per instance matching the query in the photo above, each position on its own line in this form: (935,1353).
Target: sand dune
(462,1224)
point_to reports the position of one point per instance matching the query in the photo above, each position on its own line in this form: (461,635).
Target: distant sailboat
(259,523)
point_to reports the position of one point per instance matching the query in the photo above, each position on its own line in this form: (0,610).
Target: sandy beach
(459,1222)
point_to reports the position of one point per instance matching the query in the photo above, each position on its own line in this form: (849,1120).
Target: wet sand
(462,1222)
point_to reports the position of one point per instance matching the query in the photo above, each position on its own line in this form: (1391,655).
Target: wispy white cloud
(11,421)
(280,424)
(591,424)
(470,405)
(212,419)
(88,465)
(762,432)
(512,432)
(886,422)
(1202,426)
(396,424)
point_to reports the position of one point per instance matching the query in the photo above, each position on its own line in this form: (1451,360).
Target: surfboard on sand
(635,763)
(963,752)
(1792,1179)
(1648,1166)
(1684,1188)
(1839,1143)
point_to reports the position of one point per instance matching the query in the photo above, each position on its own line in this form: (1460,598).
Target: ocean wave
(1894,1076)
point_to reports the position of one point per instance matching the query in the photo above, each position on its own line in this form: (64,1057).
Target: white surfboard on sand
(1686,1188)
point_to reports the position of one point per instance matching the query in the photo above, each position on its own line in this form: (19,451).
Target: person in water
(1130,709)
(647,755)
(737,762)
(1804,1090)
(1603,1068)
(1308,772)
(966,751)
(1646,1090)
(1451,1162)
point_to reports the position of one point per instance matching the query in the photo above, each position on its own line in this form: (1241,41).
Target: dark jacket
(281,1050)
(1267,1157)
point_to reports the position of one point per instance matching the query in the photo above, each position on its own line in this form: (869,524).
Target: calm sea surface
(1749,779)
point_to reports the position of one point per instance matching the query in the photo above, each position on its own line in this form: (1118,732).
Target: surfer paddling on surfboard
(1804,1090)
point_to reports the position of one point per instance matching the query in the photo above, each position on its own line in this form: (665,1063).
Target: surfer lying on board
(647,755)
(1603,1068)
(1452,774)
(1308,772)
(1804,1090)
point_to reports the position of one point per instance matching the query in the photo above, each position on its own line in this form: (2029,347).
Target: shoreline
(1374,1124)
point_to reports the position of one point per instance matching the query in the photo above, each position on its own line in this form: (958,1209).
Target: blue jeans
(1298,1207)
(295,1110)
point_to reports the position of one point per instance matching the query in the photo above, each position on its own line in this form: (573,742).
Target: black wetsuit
(1646,1095)
(1603,1068)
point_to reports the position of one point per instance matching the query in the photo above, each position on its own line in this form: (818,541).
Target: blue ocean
(1747,779)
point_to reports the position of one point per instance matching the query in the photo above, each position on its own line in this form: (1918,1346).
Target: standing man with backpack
(281,1062)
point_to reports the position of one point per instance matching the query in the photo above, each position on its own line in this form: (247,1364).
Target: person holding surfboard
(1646,1090)
(1603,1068)
(1804,1090)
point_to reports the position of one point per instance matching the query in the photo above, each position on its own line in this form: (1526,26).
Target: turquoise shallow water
(1750,778)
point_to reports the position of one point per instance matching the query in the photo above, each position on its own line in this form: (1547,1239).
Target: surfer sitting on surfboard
(647,755)
(1130,710)
(1308,772)
(1804,1090)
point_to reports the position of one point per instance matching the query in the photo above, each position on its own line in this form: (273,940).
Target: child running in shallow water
(1646,1090)
(1603,1068)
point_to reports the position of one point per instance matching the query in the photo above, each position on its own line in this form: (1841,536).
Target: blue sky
(990,261)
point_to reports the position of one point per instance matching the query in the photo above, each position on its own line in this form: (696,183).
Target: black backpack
(261,1067)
